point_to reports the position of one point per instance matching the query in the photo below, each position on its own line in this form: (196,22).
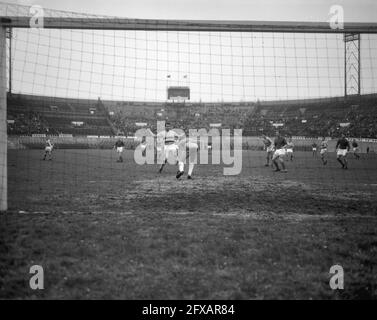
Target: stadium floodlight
(78,56)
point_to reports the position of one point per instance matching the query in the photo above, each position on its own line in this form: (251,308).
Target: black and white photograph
(188,150)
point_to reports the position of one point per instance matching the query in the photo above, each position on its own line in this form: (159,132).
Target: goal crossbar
(187,25)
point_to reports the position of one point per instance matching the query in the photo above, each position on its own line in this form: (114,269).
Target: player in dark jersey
(314,149)
(355,149)
(342,147)
(119,146)
(280,152)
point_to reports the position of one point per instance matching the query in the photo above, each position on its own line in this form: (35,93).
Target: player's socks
(162,166)
(190,169)
(181,166)
(179,174)
(274,164)
(189,177)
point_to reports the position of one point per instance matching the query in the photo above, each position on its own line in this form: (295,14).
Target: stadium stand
(356,116)
(37,114)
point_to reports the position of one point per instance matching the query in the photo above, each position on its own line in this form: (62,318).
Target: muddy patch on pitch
(207,184)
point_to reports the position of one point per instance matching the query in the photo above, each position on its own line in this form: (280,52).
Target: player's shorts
(270,149)
(171,153)
(314,149)
(289,150)
(341,152)
(279,153)
(355,149)
(48,149)
(119,149)
(323,151)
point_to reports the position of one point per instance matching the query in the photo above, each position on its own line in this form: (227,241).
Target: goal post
(3,122)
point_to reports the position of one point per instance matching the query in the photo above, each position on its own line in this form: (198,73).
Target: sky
(217,66)
(299,10)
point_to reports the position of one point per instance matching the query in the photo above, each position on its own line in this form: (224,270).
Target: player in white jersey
(323,151)
(187,150)
(170,138)
(289,148)
(143,145)
(269,148)
(49,146)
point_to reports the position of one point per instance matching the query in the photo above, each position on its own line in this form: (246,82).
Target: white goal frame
(9,22)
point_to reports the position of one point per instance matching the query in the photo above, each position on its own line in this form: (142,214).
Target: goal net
(83,81)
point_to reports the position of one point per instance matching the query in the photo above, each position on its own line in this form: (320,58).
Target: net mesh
(82,88)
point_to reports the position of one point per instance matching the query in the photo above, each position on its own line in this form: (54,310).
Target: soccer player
(323,151)
(269,148)
(119,146)
(314,149)
(290,147)
(188,149)
(170,138)
(143,146)
(280,151)
(355,149)
(342,147)
(49,146)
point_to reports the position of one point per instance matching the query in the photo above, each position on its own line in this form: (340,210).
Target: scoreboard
(178,93)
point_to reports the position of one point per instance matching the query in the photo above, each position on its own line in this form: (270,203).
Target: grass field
(102,229)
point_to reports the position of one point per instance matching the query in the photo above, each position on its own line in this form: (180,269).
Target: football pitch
(102,229)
